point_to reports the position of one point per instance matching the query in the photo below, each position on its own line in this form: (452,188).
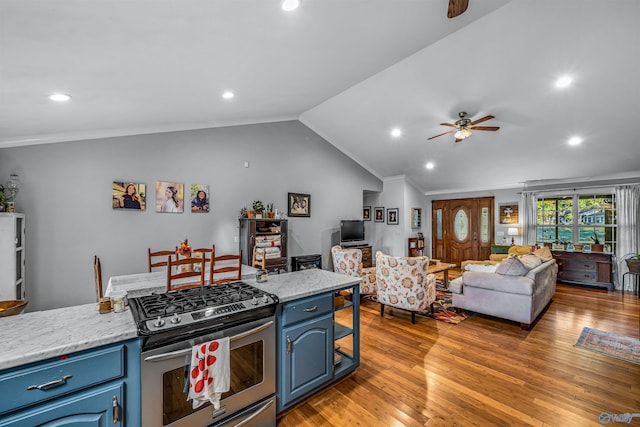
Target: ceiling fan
(463,128)
(457,7)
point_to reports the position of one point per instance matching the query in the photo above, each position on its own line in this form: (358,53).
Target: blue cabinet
(96,387)
(313,348)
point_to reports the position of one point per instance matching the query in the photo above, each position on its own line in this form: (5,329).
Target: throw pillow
(512,267)
(530,261)
(544,253)
(483,268)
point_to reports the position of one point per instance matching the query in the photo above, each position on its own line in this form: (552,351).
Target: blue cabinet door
(306,357)
(94,408)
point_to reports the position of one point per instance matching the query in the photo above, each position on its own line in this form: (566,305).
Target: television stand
(367,258)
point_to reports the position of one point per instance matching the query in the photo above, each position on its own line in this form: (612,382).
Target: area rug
(609,344)
(442,309)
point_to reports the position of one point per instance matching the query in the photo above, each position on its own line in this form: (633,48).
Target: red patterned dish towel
(209,375)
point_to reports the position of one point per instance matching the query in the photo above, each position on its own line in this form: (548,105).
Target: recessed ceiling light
(228,95)
(60,97)
(563,81)
(289,5)
(575,140)
(429,166)
(396,132)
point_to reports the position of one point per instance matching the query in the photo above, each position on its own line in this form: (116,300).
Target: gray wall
(66,196)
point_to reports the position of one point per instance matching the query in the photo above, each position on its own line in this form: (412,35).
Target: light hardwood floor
(485,371)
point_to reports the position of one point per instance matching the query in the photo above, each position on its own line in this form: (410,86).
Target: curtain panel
(628,206)
(529,218)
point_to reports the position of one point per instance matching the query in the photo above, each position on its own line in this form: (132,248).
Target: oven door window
(246,366)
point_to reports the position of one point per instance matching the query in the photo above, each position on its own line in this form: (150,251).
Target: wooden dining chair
(97,275)
(176,271)
(228,264)
(162,255)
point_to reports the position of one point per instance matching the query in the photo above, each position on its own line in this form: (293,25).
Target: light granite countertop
(39,335)
(300,284)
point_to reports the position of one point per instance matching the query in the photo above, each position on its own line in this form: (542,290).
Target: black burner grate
(192,299)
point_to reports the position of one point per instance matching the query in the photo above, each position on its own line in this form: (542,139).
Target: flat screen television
(351,231)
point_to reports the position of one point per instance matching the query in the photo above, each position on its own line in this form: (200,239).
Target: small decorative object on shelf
(258,208)
(633,264)
(596,246)
(243,212)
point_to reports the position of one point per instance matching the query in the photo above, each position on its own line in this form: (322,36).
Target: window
(577,219)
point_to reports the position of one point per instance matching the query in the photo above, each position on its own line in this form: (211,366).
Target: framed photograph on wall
(416,217)
(392,216)
(378,213)
(169,197)
(509,213)
(128,195)
(366,213)
(299,205)
(199,198)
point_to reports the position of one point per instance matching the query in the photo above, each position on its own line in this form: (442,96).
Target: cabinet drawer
(81,370)
(577,264)
(306,308)
(578,275)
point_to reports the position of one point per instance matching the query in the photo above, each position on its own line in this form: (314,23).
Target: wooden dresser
(594,269)
(367,255)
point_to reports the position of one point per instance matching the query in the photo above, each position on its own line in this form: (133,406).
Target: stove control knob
(159,322)
(175,319)
(265,298)
(254,300)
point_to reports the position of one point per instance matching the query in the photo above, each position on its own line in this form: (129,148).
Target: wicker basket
(633,265)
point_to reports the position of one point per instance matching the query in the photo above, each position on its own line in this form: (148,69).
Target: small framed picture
(366,213)
(509,213)
(128,195)
(392,216)
(299,205)
(169,197)
(378,213)
(416,217)
(199,198)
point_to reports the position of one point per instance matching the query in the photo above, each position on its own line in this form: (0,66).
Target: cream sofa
(517,298)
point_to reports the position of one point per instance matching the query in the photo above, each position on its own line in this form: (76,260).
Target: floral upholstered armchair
(349,262)
(403,282)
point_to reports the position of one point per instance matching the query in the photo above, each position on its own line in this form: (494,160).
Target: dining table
(139,284)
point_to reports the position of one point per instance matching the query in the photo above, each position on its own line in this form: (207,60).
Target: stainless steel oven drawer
(56,377)
(306,308)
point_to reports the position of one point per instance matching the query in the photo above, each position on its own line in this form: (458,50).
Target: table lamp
(513,231)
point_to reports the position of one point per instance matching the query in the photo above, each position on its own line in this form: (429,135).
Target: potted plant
(633,264)
(270,212)
(3,200)
(243,212)
(258,208)
(596,246)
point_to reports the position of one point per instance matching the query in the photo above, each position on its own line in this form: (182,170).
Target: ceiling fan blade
(446,133)
(484,127)
(457,7)
(448,124)
(484,119)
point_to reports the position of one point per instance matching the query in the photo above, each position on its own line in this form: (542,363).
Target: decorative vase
(258,215)
(272,214)
(597,248)
(251,214)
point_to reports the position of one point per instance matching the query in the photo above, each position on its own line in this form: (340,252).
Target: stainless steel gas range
(173,322)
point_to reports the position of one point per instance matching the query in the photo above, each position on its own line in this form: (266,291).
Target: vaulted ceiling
(350,70)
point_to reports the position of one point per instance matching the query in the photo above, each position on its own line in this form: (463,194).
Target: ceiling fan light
(289,5)
(462,134)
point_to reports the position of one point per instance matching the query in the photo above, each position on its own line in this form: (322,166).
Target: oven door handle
(255,414)
(184,352)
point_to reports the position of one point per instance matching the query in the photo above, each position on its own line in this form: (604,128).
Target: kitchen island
(40,342)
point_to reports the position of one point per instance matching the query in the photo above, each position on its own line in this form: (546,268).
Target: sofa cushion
(544,253)
(530,261)
(498,282)
(512,267)
(487,268)
(519,250)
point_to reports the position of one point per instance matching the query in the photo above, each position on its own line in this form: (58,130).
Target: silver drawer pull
(50,384)
(308,310)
